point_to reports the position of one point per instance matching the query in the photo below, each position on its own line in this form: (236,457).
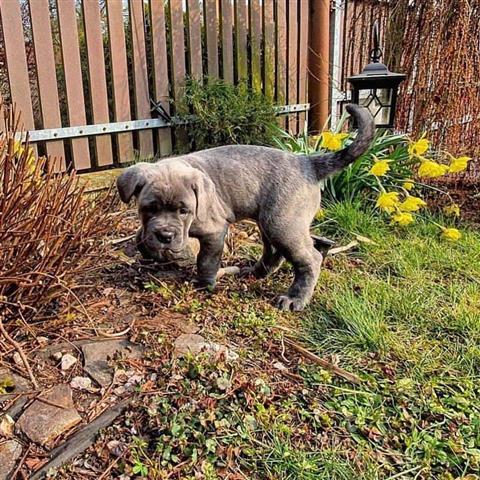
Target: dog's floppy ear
(132,180)
(204,190)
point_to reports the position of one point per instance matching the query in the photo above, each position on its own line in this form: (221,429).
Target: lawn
(402,312)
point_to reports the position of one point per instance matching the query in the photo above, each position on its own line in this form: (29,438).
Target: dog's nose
(165,237)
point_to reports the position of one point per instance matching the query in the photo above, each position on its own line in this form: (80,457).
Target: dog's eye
(152,208)
(183,211)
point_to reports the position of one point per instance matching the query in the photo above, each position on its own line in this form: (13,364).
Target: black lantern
(377,87)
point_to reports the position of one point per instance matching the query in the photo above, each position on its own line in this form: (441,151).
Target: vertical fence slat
(17,61)
(282,55)
(97,78)
(241,22)
(269,48)
(255,42)
(195,39)
(46,76)
(178,47)
(211,30)
(142,96)
(160,70)
(67,20)
(227,40)
(302,61)
(121,94)
(292,62)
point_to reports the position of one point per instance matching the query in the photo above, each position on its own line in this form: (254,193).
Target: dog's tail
(333,162)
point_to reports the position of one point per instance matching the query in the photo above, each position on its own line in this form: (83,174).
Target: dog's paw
(295,304)
(204,284)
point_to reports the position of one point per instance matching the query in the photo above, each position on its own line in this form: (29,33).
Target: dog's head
(171,196)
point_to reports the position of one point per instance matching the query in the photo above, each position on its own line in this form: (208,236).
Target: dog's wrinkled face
(166,215)
(171,196)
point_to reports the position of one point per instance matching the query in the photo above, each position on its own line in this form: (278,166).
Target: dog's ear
(204,190)
(132,180)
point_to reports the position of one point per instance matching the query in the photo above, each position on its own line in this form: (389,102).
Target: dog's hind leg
(306,261)
(268,263)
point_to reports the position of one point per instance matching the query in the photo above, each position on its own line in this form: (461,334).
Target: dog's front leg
(209,258)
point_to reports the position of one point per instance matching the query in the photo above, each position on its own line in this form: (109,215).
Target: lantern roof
(376,75)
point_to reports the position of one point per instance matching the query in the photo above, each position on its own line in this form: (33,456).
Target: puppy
(201,193)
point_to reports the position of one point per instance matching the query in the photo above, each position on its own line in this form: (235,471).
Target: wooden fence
(75,63)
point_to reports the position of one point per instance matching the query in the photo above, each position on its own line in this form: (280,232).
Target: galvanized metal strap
(128,126)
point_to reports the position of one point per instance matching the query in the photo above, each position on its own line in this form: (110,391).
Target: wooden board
(140,75)
(255,42)
(269,48)
(160,70)
(97,79)
(211,30)
(47,77)
(241,23)
(292,85)
(195,39)
(302,62)
(121,94)
(178,47)
(67,20)
(227,40)
(17,61)
(282,55)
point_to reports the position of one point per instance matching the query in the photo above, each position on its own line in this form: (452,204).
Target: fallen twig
(345,248)
(119,241)
(20,352)
(324,363)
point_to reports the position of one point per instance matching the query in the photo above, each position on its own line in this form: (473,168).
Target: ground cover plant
(401,312)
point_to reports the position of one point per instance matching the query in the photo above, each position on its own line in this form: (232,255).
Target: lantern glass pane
(379,102)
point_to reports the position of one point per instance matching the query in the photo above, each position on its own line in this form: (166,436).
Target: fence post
(319,63)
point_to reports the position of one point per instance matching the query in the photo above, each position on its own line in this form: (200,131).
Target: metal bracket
(128,126)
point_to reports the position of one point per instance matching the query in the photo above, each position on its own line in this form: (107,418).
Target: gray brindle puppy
(201,193)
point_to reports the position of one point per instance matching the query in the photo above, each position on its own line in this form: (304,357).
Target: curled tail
(326,164)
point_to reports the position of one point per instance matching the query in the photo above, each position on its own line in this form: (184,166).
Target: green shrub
(224,114)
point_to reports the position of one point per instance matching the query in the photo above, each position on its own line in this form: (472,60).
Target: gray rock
(97,354)
(68,360)
(42,422)
(195,344)
(10,452)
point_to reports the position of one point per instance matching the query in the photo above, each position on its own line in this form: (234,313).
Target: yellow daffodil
(452,210)
(412,204)
(333,141)
(451,234)
(388,201)
(380,168)
(418,148)
(431,169)
(458,164)
(320,214)
(408,185)
(403,218)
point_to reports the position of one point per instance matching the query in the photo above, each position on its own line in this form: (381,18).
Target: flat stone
(81,383)
(195,344)
(68,361)
(7,425)
(10,452)
(97,354)
(42,422)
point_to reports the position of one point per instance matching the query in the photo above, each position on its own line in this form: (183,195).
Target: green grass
(402,312)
